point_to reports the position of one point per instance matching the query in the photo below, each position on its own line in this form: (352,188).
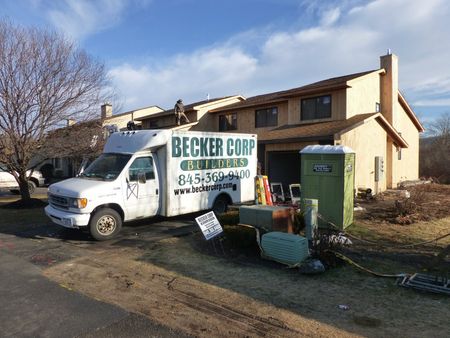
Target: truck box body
(189,171)
(195,167)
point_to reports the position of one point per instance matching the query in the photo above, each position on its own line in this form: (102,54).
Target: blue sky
(157,51)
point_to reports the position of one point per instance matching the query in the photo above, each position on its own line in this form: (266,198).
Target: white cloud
(348,38)
(191,77)
(330,16)
(432,103)
(79,18)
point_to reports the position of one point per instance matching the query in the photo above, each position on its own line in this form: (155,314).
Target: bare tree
(440,128)
(45,79)
(435,150)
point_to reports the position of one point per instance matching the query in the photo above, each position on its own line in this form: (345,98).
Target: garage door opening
(284,167)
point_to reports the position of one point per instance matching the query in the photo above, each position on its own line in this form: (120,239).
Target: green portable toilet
(328,175)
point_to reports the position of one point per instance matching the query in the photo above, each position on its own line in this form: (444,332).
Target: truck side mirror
(141,177)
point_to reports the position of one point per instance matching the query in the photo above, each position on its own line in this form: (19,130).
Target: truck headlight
(78,203)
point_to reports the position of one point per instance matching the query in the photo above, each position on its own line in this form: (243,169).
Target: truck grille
(58,202)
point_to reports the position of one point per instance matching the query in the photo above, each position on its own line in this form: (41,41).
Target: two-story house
(364,111)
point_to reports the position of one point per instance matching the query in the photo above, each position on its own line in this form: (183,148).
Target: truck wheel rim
(106,225)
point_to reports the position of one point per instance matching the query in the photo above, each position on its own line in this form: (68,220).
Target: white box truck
(156,172)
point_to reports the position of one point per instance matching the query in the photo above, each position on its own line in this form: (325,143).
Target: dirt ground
(205,290)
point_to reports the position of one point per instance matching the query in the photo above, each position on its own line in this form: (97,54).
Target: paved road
(33,306)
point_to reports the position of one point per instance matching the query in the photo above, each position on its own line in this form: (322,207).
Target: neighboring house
(364,111)
(196,112)
(69,166)
(121,120)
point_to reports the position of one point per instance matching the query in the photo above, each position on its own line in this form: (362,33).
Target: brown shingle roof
(311,131)
(328,84)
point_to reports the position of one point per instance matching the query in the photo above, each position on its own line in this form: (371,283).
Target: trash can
(328,174)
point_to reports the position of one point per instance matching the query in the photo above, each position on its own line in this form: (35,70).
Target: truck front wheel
(105,224)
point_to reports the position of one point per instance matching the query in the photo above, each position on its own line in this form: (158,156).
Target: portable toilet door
(327,174)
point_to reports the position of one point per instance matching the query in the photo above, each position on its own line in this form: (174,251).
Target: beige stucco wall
(363,95)
(408,167)
(367,140)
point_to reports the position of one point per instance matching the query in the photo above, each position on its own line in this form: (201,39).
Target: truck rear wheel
(220,205)
(105,224)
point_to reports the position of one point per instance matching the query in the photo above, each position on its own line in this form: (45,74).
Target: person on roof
(179,112)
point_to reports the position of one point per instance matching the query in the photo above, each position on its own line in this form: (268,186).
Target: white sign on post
(209,224)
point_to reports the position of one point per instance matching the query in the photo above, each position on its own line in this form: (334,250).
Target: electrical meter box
(379,168)
(328,175)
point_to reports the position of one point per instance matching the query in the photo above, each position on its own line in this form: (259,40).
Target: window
(377,107)
(228,122)
(141,165)
(107,167)
(316,108)
(57,163)
(267,117)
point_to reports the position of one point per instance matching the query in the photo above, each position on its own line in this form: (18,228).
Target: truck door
(142,188)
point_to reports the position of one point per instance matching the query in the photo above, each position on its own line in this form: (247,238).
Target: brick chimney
(389,87)
(106,110)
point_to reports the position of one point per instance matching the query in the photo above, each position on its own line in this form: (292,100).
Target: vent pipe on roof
(389,52)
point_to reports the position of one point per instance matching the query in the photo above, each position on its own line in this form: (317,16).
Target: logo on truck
(211,147)
(218,160)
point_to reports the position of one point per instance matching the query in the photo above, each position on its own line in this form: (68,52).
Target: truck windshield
(106,167)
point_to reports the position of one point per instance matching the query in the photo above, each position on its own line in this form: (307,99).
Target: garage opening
(284,167)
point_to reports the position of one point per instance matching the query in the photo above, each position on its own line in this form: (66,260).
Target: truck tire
(105,224)
(31,187)
(220,205)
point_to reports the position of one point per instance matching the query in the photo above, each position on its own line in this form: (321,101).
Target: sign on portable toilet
(328,174)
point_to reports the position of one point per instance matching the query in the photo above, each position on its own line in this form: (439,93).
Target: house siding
(408,167)
(363,95)
(366,149)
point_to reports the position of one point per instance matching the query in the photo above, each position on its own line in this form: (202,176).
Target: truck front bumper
(67,219)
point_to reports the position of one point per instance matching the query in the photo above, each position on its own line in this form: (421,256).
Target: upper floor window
(377,107)
(228,122)
(316,108)
(267,117)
